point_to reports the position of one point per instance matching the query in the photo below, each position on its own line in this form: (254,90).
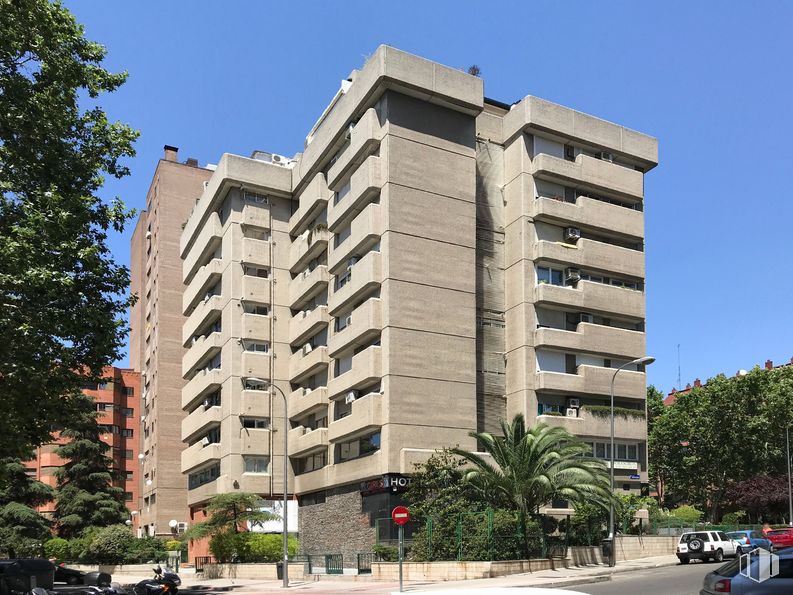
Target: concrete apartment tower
(156,338)
(432,263)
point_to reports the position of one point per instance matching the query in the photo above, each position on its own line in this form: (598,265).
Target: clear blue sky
(711,80)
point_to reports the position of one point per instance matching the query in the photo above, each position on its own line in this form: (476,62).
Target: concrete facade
(432,263)
(156,339)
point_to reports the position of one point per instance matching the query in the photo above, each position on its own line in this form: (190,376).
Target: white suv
(705,545)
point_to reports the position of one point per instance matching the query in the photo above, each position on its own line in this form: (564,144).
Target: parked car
(781,537)
(729,578)
(749,540)
(70,576)
(705,545)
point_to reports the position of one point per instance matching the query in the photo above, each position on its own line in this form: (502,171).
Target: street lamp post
(645,361)
(286,477)
(789,484)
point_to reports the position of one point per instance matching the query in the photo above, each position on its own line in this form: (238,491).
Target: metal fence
(365,563)
(325,563)
(201,561)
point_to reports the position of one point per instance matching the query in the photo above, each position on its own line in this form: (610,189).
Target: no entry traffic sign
(400,515)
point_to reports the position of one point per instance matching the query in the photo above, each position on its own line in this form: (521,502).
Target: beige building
(156,339)
(433,262)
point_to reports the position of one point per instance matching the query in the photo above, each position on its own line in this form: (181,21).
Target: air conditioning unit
(181,528)
(574,403)
(350,128)
(572,275)
(606,156)
(279,159)
(348,321)
(572,412)
(572,234)
(306,390)
(307,348)
(204,441)
(206,404)
(350,397)
(585,317)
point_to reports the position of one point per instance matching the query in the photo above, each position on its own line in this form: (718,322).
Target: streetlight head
(646,361)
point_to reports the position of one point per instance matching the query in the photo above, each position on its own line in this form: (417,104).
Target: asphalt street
(671,580)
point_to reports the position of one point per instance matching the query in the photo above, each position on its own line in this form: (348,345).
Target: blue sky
(711,80)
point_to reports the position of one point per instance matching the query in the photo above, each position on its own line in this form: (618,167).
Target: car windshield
(730,569)
(689,536)
(736,535)
(779,532)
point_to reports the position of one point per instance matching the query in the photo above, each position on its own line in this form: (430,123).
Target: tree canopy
(228,513)
(61,293)
(22,528)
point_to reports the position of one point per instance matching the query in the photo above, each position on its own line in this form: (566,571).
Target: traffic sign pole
(401,553)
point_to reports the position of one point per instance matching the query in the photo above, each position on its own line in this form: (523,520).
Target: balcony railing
(593,338)
(365,323)
(589,296)
(594,380)
(364,184)
(306,285)
(365,231)
(366,415)
(365,276)
(364,137)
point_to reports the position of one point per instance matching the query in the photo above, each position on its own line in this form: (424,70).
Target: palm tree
(531,467)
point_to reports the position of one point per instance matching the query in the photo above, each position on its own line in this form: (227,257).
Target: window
(256,464)
(255,423)
(252,271)
(90,386)
(310,499)
(129,391)
(250,384)
(311,463)
(359,447)
(195,480)
(128,496)
(105,385)
(252,197)
(342,321)
(624,452)
(126,433)
(569,152)
(128,411)
(257,309)
(104,406)
(256,233)
(213,436)
(343,279)
(315,421)
(550,276)
(127,454)
(128,475)
(212,400)
(257,346)
(108,429)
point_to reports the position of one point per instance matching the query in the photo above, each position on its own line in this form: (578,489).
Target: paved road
(672,580)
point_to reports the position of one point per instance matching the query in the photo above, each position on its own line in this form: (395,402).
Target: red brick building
(117,402)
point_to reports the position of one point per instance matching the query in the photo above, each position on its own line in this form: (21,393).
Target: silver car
(752,574)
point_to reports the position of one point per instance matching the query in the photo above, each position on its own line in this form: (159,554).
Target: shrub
(229,546)
(146,549)
(263,547)
(735,518)
(173,545)
(687,514)
(79,546)
(57,549)
(385,553)
(111,545)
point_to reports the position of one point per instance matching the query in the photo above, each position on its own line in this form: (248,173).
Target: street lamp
(789,484)
(286,476)
(646,361)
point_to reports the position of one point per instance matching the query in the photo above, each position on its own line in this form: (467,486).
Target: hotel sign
(390,482)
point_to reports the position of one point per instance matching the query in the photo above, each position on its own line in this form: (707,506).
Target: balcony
(312,202)
(306,285)
(588,212)
(206,277)
(366,323)
(199,385)
(200,316)
(256,289)
(304,401)
(593,338)
(364,184)
(255,326)
(255,251)
(591,172)
(364,137)
(366,276)
(255,403)
(198,454)
(255,442)
(208,240)
(201,350)
(198,421)
(307,323)
(255,215)
(309,245)
(303,365)
(367,368)
(598,426)
(367,415)
(593,380)
(593,297)
(365,232)
(592,256)
(253,363)
(302,441)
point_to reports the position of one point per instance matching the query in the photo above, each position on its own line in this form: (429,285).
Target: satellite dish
(173,523)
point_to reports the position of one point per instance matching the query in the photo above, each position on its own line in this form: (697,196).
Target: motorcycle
(163,583)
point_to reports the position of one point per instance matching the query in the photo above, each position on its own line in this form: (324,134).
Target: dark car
(21,575)
(70,576)
(739,577)
(749,540)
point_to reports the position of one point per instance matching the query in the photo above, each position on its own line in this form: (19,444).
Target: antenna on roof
(679,384)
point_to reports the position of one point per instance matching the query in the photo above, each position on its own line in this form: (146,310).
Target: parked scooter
(163,583)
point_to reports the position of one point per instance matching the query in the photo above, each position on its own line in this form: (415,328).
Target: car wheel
(719,557)
(684,560)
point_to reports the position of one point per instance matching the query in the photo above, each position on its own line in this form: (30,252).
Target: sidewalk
(562,577)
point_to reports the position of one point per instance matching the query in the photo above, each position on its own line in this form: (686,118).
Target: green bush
(735,518)
(57,549)
(79,546)
(111,545)
(146,549)
(385,553)
(268,547)
(230,547)
(687,514)
(173,545)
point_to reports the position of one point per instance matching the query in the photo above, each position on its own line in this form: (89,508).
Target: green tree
(86,494)
(22,528)
(531,467)
(111,545)
(228,513)
(61,294)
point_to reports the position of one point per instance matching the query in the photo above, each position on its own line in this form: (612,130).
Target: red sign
(400,515)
